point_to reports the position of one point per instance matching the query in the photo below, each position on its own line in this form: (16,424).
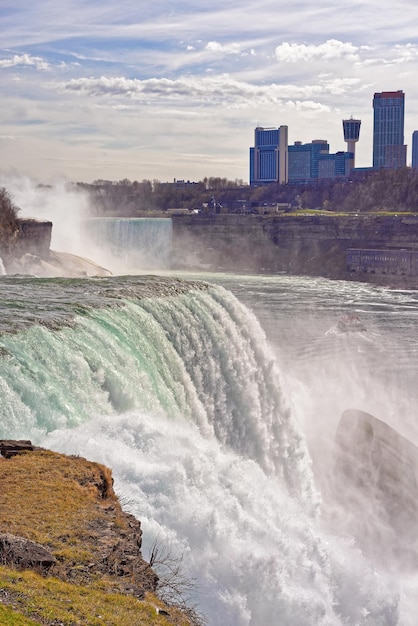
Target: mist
(352,389)
(60,202)
(120,245)
(366,479)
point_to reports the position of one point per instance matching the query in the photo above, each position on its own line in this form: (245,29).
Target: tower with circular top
(351,130)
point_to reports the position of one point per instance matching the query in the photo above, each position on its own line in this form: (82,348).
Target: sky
(173,90)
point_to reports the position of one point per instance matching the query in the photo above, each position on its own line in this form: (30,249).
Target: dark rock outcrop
(32,237)
(11,447)
(28,252)
(24,553)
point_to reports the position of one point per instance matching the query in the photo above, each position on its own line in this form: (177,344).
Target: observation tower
(351,129)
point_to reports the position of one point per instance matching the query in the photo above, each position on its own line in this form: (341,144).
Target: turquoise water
(207,424)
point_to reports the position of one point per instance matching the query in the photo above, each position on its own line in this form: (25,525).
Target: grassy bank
(98,577)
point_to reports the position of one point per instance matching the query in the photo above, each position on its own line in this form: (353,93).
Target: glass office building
(304,160)
(268,157)
(415,149)
(388,130)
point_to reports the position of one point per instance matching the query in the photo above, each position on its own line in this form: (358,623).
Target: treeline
(128,198)
(383,190)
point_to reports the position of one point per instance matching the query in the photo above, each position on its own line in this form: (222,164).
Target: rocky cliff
(303,244)
(32,237)
(69,554)
(29,252)
(374,486)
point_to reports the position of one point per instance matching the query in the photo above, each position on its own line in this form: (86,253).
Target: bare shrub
(175,588)
(8,215)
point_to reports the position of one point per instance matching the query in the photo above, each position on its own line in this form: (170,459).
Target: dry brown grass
(56,501)
(68,505)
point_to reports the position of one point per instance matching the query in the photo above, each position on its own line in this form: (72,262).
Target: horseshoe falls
(126,243)
(173,385)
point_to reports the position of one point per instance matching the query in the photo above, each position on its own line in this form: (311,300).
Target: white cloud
(207,68)
(331,49)
(24,60)
(406,53)
(209,90)
(231,48)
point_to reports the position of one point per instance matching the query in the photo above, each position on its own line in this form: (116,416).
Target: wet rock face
(32,237)
(376,484)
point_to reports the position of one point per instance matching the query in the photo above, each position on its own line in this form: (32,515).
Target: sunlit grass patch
(55,501)
(9,617)
(49,599)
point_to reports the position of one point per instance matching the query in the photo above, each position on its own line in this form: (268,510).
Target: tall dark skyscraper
(388,130)
(415,149)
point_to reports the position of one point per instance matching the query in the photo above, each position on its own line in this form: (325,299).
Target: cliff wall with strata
(32,237)
(310,244)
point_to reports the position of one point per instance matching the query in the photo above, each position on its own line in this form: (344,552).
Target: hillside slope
(68,553)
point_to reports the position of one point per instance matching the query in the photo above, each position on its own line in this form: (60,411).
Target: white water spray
(182,398)
(120,245)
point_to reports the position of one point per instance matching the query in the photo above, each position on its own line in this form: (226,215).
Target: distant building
(304,160)
(336,165)
(415,149)
(351,130)
(388,130)
(268,157)
(309,162)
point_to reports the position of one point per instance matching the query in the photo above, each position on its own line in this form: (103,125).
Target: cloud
(231,48)
(331,49)
(406,53)
(24,60)
(210,90)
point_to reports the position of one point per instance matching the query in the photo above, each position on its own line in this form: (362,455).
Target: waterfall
(131,243)
(182,397)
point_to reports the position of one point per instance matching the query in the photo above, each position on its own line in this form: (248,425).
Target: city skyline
(139,91)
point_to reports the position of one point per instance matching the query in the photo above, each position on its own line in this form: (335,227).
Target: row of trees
(384,190)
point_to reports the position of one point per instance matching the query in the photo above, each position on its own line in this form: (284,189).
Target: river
(216,409)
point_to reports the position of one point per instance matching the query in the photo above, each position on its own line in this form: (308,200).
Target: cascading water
(175,388)
(130,242)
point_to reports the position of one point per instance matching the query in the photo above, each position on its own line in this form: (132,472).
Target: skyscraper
(268,157)
(415,149)
(388,130)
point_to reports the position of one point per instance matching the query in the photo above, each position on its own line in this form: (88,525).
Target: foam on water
(258,557)
(182,398)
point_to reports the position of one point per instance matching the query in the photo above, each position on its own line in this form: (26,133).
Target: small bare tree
(8,216)
(175,588)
